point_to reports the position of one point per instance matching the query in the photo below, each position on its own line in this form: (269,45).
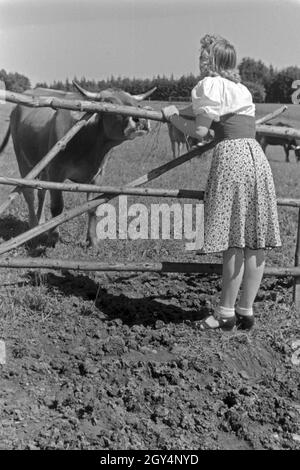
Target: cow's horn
(143,96)
(88,94)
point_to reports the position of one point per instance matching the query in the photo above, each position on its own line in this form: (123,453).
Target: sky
(49,40)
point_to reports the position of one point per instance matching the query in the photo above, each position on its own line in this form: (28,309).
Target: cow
(287,143)
(35,131)
(179,139)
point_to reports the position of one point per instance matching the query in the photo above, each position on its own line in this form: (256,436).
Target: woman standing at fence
(240,207)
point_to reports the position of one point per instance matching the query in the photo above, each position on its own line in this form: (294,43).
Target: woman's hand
(169,111)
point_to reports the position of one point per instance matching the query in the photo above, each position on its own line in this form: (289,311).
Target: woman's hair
(218,58)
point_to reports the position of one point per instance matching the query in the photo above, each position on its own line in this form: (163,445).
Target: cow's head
(116,126)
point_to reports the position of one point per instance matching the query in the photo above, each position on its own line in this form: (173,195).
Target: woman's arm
(198,128)
(187,112)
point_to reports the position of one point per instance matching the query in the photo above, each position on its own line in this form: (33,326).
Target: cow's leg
(188,144)
(41,205)
(91,237)
(188,148)
(287,151)
(173,148)
(56,208)
(263,145)
(41,194)
(28,193)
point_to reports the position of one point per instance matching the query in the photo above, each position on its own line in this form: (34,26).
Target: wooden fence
(108,192)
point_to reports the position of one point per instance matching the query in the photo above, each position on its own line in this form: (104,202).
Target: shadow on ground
(11,227)
(132,311)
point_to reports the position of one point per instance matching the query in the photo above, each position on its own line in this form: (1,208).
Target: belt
(234,126)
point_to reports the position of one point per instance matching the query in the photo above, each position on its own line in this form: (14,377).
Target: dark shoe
(226,324)
(244,322)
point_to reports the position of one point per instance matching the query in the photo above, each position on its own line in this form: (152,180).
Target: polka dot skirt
(240,208)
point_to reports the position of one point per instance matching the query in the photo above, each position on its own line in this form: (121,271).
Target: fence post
(296,293)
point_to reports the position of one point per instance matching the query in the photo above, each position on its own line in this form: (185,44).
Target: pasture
(115,361)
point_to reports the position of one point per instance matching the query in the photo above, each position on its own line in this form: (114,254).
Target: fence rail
(121,190)
(96,107)
(163,267)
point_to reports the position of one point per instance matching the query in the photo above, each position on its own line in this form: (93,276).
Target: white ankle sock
(245,312)
(225,312)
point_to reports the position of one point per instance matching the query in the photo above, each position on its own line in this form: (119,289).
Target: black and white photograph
(149,228)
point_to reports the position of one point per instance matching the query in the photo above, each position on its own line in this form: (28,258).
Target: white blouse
(217,96)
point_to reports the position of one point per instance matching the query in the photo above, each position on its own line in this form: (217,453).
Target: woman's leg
(233,270)
(254,269)
(253,273)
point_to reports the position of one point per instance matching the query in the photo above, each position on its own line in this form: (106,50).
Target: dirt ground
(116,361)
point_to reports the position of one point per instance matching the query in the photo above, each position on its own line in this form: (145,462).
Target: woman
(240,209)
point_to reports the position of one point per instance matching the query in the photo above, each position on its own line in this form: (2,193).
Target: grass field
(98,361)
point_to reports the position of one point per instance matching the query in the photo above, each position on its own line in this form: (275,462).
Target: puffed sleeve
(206,98)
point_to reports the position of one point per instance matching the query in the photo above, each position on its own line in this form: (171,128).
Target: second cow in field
(179,140)
(36,131)
(286,143)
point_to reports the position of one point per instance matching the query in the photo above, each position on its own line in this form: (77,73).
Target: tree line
(266,84)
(14,81)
